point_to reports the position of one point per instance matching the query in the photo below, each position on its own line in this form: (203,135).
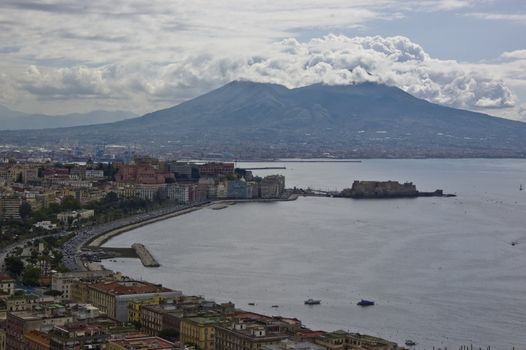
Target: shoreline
(96,242)
(99,240)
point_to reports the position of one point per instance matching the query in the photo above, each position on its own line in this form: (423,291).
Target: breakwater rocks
(146,257)
(387,189)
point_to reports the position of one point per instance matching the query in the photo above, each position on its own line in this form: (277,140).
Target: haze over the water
(64,56)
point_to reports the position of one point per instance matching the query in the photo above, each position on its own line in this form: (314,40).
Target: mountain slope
(13,120)
(264,120)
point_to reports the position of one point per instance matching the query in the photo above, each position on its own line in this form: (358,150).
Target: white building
(64,281)
(46,225)
(94,174)
(179,193)
(76,214)
(7,285)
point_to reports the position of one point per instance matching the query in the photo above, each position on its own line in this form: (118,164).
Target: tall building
(78,336)
(216,169)
(238,189)
(113,297)
(64,281)
(7,285)
(341,340)
(242,335)
(10,207)
(199,332)
(19,323)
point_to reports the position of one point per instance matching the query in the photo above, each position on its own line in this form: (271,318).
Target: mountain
(13,120)
(256,120)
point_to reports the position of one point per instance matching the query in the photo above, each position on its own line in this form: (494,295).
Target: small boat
(520,187)
(364,302)
(312,302)
(251,304)
(410,342)
(275,306)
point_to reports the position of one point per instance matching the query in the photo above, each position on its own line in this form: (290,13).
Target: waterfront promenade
(91,239)
(95,236)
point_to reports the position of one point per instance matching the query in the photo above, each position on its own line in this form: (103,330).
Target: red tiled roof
(311,334)
(4,277)
(129,287)
(144,343)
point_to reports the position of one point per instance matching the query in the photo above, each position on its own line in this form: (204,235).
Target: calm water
(441,270)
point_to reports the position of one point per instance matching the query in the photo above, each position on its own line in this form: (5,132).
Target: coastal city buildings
(59,203)
(140,343)
(113,297)
(114,312)
(199,332)
(35,186)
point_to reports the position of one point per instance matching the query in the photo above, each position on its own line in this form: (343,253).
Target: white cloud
(522,112)
(519,18)
(143,55)
(453,4)
(79,81)
(333,59)
(514,55)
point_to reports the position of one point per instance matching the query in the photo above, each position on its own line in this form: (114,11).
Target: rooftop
(149,343)
(129,287)
(38,337)
(78,328)
(5,278)
(250,315)
(204,320)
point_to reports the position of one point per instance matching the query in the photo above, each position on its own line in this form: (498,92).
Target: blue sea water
(441,270)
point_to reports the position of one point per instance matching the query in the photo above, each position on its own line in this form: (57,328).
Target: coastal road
(8,249)
(73,247)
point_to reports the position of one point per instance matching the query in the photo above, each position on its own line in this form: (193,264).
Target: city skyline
(143,56)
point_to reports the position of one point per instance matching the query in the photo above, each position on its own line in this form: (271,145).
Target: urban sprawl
(50,298)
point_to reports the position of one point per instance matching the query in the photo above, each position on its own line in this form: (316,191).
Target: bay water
(442,271)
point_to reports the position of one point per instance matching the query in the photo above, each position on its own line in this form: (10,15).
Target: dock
(146,257)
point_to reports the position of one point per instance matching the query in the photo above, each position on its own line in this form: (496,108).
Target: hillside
(254,120)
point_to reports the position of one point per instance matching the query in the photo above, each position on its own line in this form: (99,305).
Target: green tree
(70,203)
(111,197)
(14,265)
(31,275)
(57,258)
(25,211)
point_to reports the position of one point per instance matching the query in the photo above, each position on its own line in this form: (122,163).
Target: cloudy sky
(60,56)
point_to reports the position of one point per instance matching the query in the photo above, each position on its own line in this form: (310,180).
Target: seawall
(144,254)
(101,239)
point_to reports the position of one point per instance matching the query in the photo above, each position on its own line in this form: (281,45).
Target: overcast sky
(141,55)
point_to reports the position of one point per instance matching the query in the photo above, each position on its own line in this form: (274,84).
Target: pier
(146,257)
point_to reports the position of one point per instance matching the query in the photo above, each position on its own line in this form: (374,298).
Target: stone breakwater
(144,254)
